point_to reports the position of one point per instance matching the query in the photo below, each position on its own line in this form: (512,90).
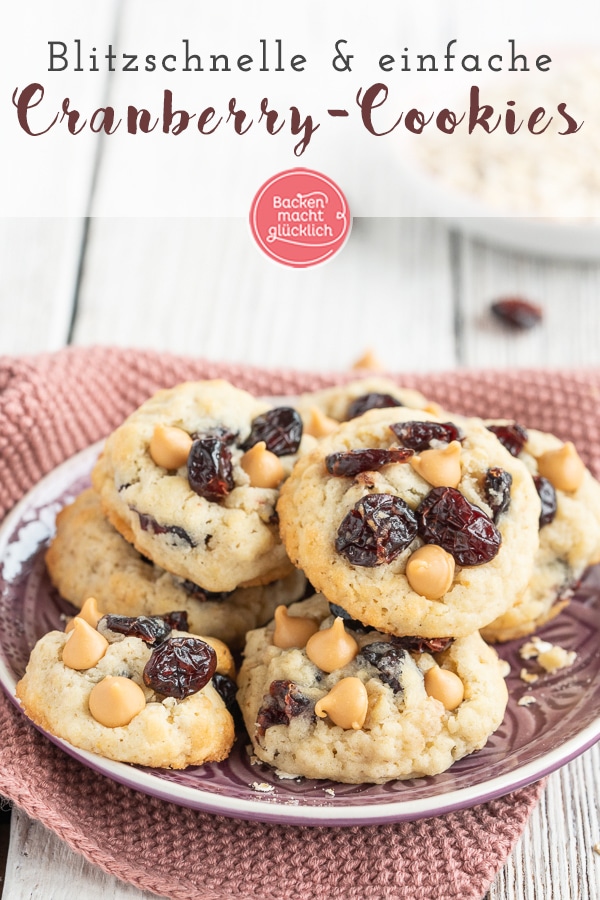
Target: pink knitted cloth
(54,405)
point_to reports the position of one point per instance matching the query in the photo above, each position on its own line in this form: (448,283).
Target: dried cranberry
(419,435)
(389,661)
(517,312)
(349,622)
(355,461)
(370,401)
(220,432)
(511,435)
(180,666)
(448,519)
(202,595)
(148,523)
(226,688)
(422,645)
(152,630)
(376,530)
(177,620)
(284,702)
(496,487)
(279,428)
(548,497)
(210,472)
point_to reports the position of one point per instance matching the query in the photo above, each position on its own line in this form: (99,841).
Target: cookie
(395,710)
(569,529)
(89,558)
(131,721)
(322,410)
(173,480)
(354,533)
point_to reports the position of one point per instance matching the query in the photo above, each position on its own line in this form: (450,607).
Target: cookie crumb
(262,787)
(551,657)
(504,667)
(526,700)
(596,848)
(329,791)
(286,775)
(528,677)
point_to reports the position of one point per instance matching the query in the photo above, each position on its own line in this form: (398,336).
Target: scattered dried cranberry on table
(517,312)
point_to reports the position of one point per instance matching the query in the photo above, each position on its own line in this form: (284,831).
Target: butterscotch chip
(430,571)
(115,700)
(262,467)
(562,467)
(440,467)
(444,686)
(346,704)
(404,733)
(170,447)
(292,631)
(332,648)
(89,612)
(84,647)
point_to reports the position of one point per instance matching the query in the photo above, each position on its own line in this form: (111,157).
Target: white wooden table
(201,287)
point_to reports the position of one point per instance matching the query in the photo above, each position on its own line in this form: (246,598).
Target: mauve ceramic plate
(532,741)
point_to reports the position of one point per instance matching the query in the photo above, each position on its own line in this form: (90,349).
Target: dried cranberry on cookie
(414,524)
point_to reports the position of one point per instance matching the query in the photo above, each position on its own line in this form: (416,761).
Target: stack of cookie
(416,528)
(417,531)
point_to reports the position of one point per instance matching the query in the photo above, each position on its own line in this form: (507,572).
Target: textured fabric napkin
(54,405)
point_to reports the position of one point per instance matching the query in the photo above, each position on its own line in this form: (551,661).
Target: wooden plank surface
(39,262)
(201,286)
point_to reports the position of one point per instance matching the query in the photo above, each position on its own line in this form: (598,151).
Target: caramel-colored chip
(115,701)
(441,468)
(346,704)
(333,648)
(369,361)
(89,611)
(319,425)
(445,686)
(563,467)
(430,571)
(292,631)
(225,663)
(170,446)
(263,468)
(85,646)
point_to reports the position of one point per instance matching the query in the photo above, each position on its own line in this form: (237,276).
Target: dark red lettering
(25,101)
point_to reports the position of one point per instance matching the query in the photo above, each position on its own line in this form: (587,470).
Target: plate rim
(267,808)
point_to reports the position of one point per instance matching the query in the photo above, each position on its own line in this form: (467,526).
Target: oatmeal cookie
(355,516)
(131,721)
(192,478)
(89,558)
(406,709)
(345,401)
(569,528)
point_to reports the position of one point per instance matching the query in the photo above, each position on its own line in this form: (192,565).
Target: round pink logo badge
(300,218)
